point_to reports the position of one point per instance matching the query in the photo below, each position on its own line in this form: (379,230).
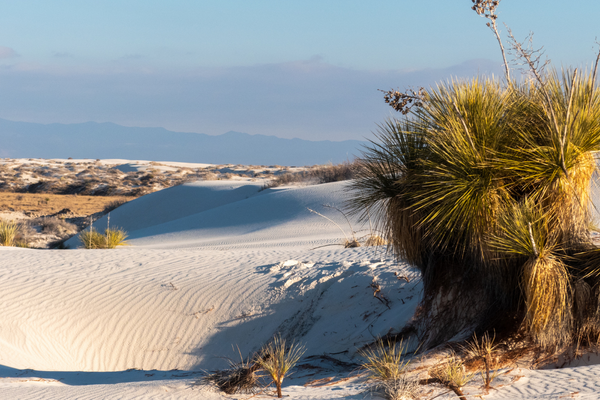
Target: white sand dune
(212,265)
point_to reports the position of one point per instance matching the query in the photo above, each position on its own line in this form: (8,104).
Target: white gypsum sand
(213,265)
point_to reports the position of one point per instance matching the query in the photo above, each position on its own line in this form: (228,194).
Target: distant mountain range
(108,140)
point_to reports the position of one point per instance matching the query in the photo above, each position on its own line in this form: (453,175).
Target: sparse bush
(316,175)
(54,225)
(8,232)
(384,360)
(112,238)
(113,205)
(375,240)
(277,359)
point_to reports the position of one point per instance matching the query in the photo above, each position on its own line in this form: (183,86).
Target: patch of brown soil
(39,204)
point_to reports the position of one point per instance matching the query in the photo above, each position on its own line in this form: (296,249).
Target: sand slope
(211,266)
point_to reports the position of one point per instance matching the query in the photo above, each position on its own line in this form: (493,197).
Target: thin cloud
(7,52)
(308,99)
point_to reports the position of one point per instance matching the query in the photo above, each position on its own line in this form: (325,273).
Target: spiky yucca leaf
(522,231)
(382,187)
(459,191)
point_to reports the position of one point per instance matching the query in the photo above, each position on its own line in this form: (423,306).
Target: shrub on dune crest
(112,238)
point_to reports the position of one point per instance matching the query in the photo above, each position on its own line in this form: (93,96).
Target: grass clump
(92,239)
(278,358)
(112,238)
(8,232)
(386,366)
(240,377)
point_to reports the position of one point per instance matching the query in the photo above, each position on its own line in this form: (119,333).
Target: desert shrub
(54,225)
(385,360)
(92,239)
(316,175)
(277,358)
(114,238)
(482,350)
(8,232)
(114,205)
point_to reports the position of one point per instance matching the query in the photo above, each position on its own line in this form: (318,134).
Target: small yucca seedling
(385,360)
(452,374)
(277,359)
(483,350)
(8,233)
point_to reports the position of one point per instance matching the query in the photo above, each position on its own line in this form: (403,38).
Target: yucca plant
(452,374)
(277,358)
(8,233)
(386,365)
(486,189)
(385,360)
(92,239)
(483,350)
(114,237)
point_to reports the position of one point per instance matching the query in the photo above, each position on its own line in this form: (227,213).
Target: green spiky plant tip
(278,358)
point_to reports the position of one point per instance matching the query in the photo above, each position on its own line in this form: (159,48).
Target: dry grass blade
(278,358)
(240,377)
(547,294)
(400,388)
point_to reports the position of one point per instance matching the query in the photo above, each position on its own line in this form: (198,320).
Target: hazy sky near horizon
(303,68)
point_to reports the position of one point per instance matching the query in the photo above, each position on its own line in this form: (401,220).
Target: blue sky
(307,69)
